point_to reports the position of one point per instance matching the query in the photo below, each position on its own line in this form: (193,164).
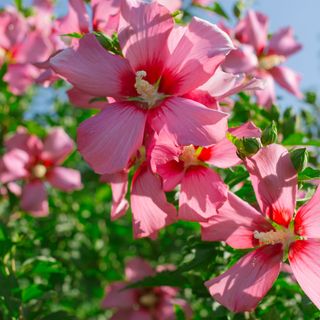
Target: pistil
(271,61)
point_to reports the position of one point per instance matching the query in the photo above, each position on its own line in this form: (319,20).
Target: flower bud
(250,146)
(269,134)
(299,158)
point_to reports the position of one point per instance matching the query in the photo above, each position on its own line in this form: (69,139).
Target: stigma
(283,236)
(271,61)
(39,171)
(147,92)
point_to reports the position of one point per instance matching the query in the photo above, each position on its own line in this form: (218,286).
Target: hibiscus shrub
(147,169)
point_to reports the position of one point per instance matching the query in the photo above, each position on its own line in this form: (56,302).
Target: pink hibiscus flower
(159,67)
(272,233)
(202,190)
(21,47)
(36,162)
(155,303)
(264,58)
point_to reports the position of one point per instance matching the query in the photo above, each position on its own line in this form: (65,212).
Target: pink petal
(118,297)
(235,224)
(165,162)
(77,19)
(57,146)
(222,84)
(189,122)
(201,49)
(283,43)
(172,5)
(109,139)
(119,186)
(267,96)
(305,263)
(274,180)
(150,209)
(243,59)
(165,310)
(83,100)
(131,314)
(65,179)
(288,79)
(31,144)
(307,220)
(14,165)
(92,69)
(202,192)
(253,29)
(13,28)
(35,48)
(34,199)
(143,34)
(243,286)
(20,77)
(224,153)
(137,269)
(106,15)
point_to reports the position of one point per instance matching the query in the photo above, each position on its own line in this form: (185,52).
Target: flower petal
(83,100)
(307,220)
(283,43)
(288,79)
(235,224)
(199,52)
(119,187)
(65,179)
(274,180)
(202,192)
(243,286)
(57,146)
(243,59)
(189,122)
(13,165)
(143,34)
(137,269)
(305,263)
(94,70)
(77,19)
(34,199)
(109,139)
(267,96)
(150,209)
(116,296)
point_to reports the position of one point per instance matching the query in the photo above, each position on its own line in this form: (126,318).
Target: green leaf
(32,292)
(309,174)
(299,139)
(73,35)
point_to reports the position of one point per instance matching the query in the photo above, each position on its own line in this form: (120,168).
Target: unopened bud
(250,146)
(269,134)
(299,158)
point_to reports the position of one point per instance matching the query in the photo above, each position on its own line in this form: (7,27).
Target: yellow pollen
(269,62)
(39,171)
(273,236)
(147,92)
(190,156)
(148,300)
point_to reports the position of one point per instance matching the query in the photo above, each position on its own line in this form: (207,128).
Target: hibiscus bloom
(202,190)
(161,64)
(36,162)
(272,232)
(155,303)
(263,58)
(22,46)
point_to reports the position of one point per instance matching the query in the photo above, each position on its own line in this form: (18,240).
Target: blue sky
(303,17)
